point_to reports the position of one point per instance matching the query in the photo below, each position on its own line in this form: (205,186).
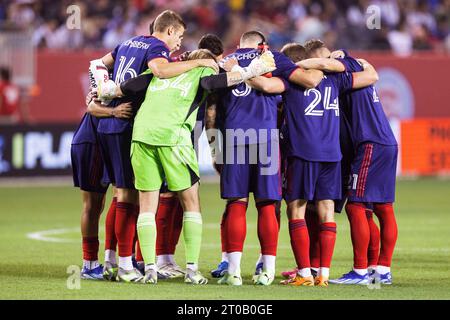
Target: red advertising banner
(409,87)
(425,147)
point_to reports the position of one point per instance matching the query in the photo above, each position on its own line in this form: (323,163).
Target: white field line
(46,235)
(51,236)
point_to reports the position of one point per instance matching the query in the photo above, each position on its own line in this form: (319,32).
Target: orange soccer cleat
(321,281)
(299,281)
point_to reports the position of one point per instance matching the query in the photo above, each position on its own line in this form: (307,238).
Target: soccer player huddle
(304,124)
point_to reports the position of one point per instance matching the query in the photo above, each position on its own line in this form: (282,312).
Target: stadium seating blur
(406,25)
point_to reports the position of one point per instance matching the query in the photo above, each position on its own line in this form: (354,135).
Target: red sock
(298,232)
(236,225)
(360,232)
(313,224)
(136,240)
(278,213)
(138,254)
(110,234)
(223,231)
(166,208)
(90,248)
(327,238)
(374,244)
(267,228)
(388,232)
(125,227)
(176,227)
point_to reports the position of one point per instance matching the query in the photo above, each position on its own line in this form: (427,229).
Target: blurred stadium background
(45,54)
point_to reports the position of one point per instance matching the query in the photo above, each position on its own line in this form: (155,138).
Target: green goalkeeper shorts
(152,164)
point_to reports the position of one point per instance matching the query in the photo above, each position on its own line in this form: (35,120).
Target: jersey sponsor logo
(136,44)
(397,94)
(243,56)
(242,93)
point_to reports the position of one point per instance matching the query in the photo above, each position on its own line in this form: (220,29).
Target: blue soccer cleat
(385,278)
(92,274)
(352,278)
(220,271)
(139,266)
(258,272)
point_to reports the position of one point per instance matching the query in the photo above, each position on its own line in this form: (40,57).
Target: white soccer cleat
(231,279)
(171,271)
(150,277)
(194,277)
(265,278)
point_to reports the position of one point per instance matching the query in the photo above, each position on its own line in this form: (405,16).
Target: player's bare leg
(298,232)
(236,229)
(192,233)
(93,204)
(327,239)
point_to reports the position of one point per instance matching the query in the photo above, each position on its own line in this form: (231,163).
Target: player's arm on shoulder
(221,80)
(306,78)
(135,86)
(122,111)
(259,66)
(365,78)
(164,69)
(268,85)
(324,64)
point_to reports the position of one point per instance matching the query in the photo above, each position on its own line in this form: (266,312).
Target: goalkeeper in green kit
(162,149)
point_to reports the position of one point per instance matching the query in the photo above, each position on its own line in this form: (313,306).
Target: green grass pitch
(34,269)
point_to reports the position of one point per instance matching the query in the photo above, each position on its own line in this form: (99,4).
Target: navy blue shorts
(309,180)
(116,154)
(251,168)
(88,167)
(373,174)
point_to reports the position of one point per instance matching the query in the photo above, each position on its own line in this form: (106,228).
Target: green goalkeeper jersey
(168,114)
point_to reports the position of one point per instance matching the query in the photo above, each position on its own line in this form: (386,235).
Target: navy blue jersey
(130,59)
(242,107)
(87,130)
(312,118)
(365,113)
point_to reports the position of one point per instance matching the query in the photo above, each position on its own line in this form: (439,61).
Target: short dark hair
(295,51)
(151,27)
(312,45)
(212,43)
(166,19)
(5,74)
(253,35)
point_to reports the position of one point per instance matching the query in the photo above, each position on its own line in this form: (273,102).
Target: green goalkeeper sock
(192,234)
(146,228)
